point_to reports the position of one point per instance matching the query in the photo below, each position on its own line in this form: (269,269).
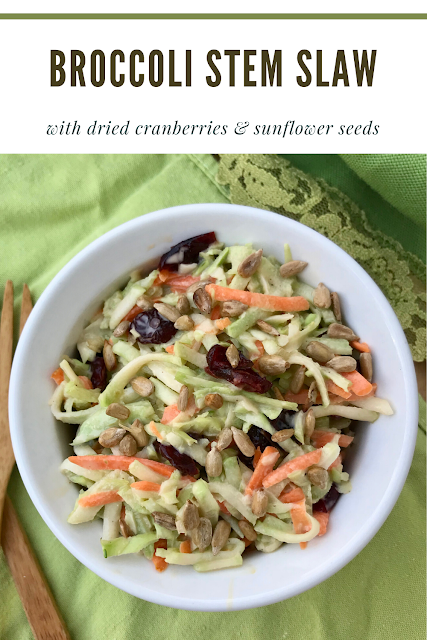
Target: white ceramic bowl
(379,462)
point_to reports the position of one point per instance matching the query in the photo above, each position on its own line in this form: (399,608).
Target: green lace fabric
(270,182)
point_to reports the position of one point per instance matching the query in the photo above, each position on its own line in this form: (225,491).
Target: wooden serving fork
(36,597)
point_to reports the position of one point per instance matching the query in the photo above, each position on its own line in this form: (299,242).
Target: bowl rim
(354,546)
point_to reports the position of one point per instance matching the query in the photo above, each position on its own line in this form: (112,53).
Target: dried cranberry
(243,376)
(217,359)
(186,252)
(329,501)
(152,327)
(249,462)
(260,438)
(180,461)
(285,420)
(99,373)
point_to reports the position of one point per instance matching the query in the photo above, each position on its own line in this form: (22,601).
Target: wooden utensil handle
(36,597)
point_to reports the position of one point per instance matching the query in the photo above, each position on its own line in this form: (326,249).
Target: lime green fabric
(388,173)
(381,212)
(52,206)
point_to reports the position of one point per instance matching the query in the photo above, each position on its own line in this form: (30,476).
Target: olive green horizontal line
(213,16)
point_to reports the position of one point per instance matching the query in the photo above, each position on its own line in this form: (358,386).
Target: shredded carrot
(135,311)
(334,388)
(299,517)
(257,456)
(336,462)
(265,465)
(320,438)
(216,312)
(143,485)
(185,547)
(170,348)
(169,414)
(294,495)
(247,542)
(99,499)
(303,545)
(222,323)
(368,395)
(260,347)
(109,463)
(360,346)
(359,385)
(179,284)
(323,519)
(300,398)
(86,382)
(260,300)
(58,376)
(160,563)
(223,508)
(155,431)
(296,464)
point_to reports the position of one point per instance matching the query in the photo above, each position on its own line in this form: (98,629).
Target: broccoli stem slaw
(214,400)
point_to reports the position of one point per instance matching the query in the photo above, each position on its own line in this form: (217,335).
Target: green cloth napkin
(52,206)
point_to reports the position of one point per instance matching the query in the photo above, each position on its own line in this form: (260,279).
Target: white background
(395,101)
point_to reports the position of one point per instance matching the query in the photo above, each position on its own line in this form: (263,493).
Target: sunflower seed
(249,265)
(259,503)
(243,442)
(202,536)
(125,529)
(138,432)
(214,400)
(232,355)
(292,268)
(144,303)
(278,393)
(183,305)
(142,386)
(336,330)
(298,379)
(95,343)
(309,424)
(318,476)
(184,323)
(190,516)
(267,328)
(220,536)
(282,435)
(233,308)
(111,437)
(366,366)
(322,296)
(109,357)
(167,311)
(312,393)
(224,439)
(342,364)
(336,306)
(319,352)
(202,300)
(213,464)
(117,410)
(198,285)
(183,398)
(272,365)
(248,530)
(165,520)
(121,329)
(127,445)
